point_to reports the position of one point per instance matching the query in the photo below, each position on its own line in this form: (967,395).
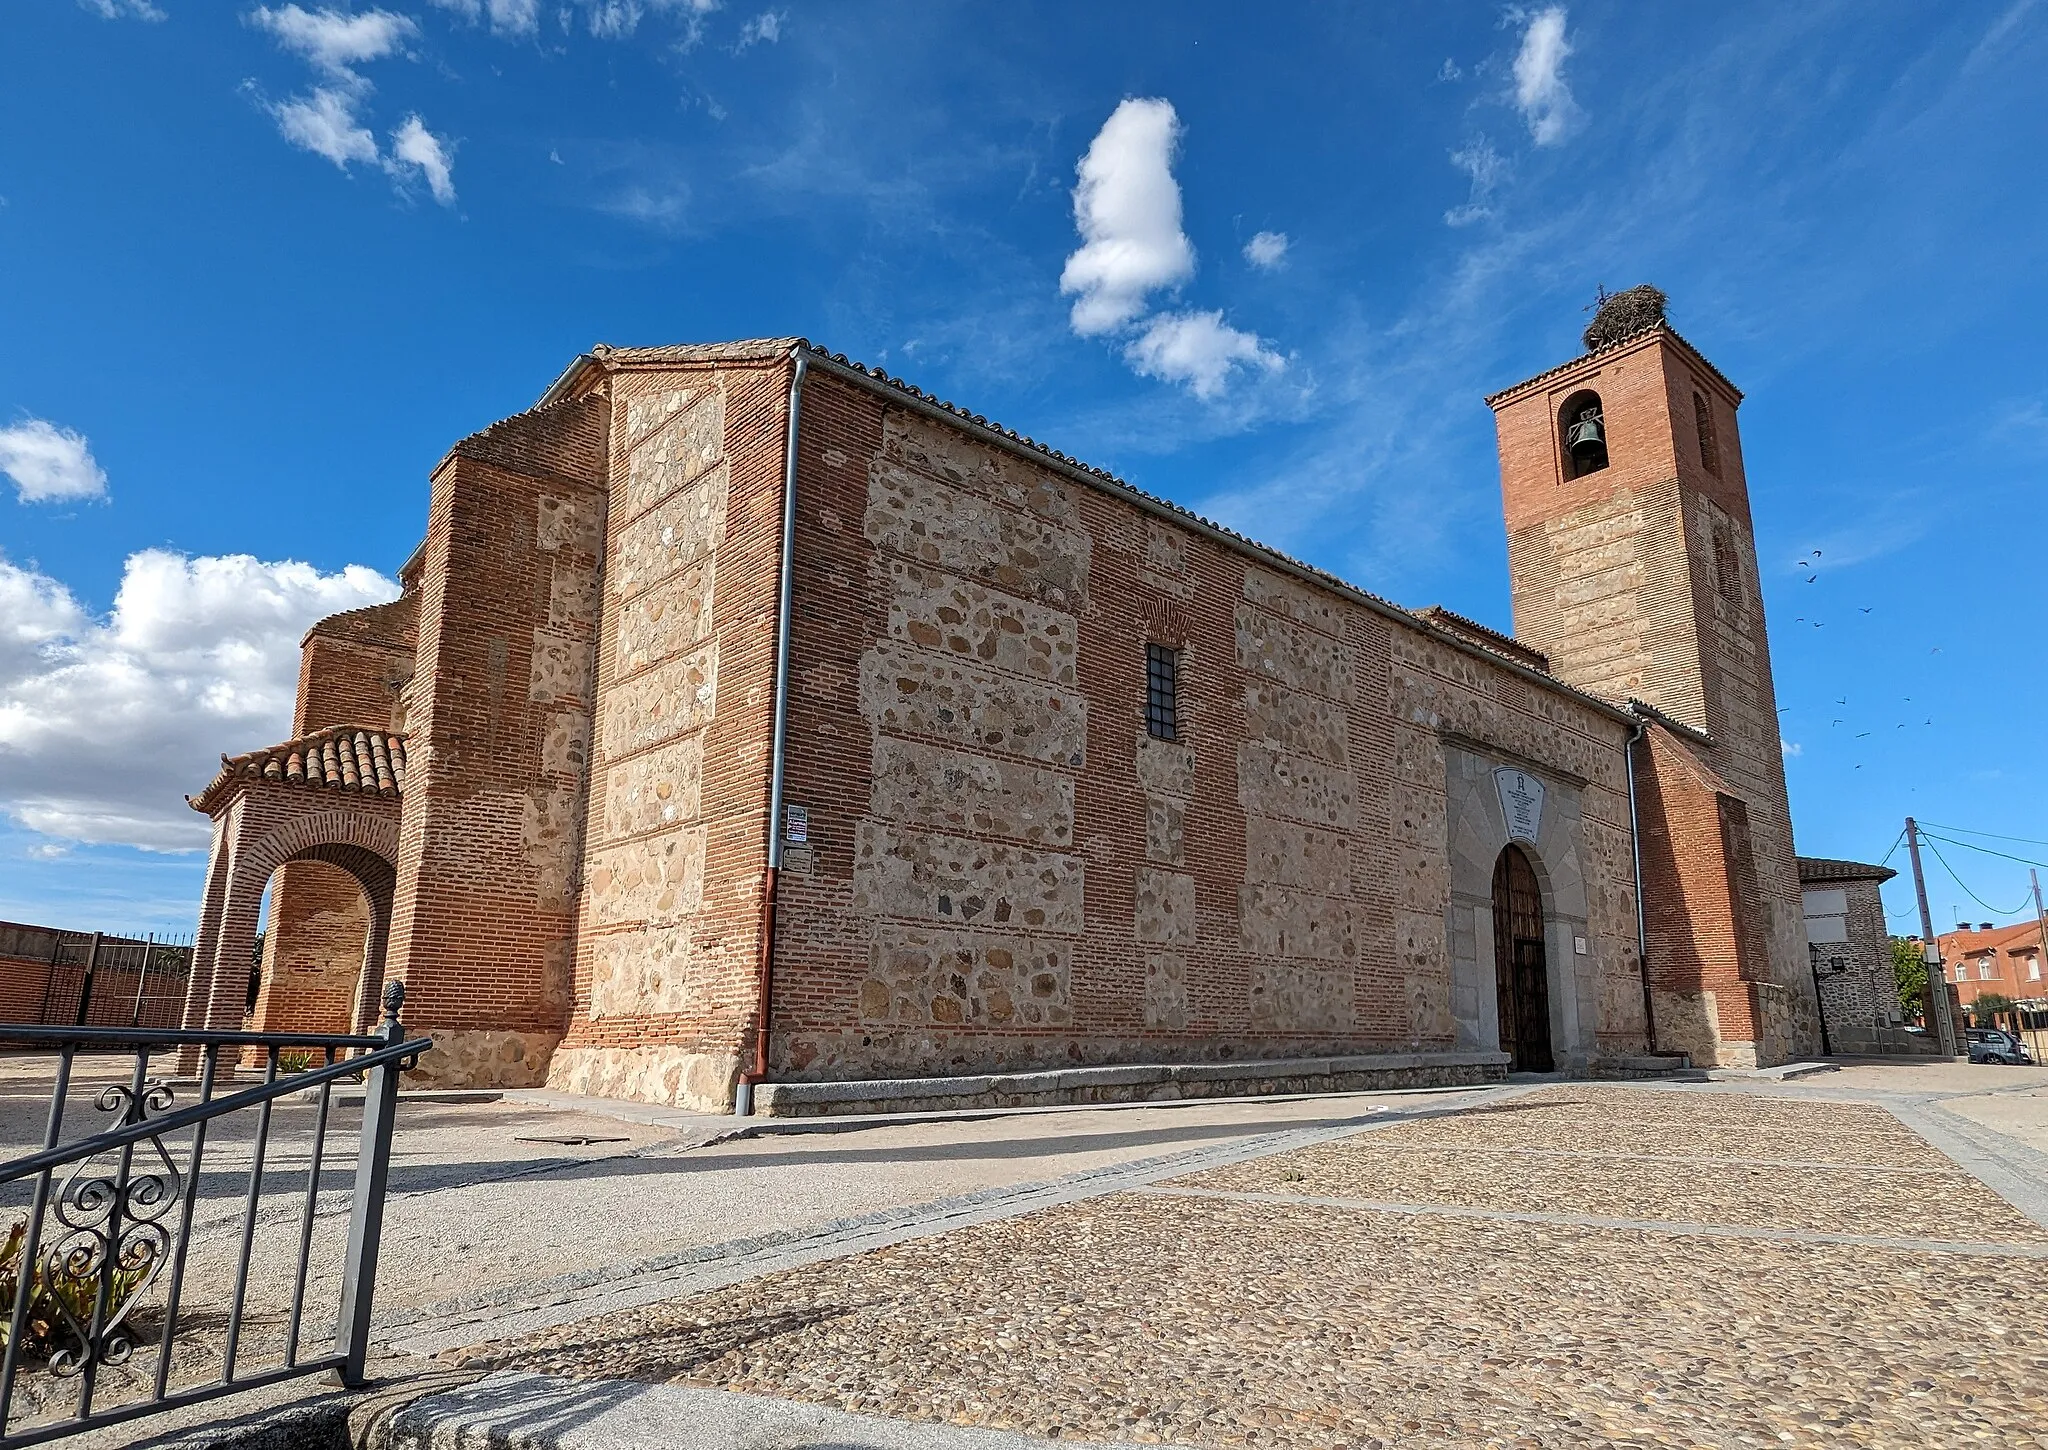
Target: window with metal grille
(1162,692)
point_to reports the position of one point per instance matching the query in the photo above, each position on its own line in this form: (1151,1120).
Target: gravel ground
(1650,1168)
(489,1196)
(1202,1320)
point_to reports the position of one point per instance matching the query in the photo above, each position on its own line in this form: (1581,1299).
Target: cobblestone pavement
(1577,1266)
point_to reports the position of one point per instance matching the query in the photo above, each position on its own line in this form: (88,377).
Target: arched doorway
(322,963)
(1521,976)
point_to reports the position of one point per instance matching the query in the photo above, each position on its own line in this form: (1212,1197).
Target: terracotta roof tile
(341,757)
(1827,868)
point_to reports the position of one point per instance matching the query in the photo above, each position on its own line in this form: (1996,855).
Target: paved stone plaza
(1847,1259)
(1558,1266)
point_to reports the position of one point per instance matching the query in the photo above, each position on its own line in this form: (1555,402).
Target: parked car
(1992,1044)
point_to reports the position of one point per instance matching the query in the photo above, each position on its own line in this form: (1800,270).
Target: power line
(1994,910)
(1896,842)
(2002,855)
(1988,835)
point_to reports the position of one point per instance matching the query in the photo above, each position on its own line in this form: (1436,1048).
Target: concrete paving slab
(518,1411)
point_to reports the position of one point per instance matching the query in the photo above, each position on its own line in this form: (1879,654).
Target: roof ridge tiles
(1634,338)
(359,759)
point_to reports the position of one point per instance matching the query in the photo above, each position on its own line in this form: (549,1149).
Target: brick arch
(258,832)
(365,847)
(338,837)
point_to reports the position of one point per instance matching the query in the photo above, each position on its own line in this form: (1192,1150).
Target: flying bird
(1863,735)
(1864,610)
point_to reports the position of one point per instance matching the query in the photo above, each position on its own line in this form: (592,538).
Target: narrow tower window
(1162,692)
(1727,572)
(1583,426)
(1710,450)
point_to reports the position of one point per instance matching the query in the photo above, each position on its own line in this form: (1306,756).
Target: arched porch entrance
(321,808)
(1521,974)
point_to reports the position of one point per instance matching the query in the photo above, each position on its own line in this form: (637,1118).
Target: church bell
(1586,441)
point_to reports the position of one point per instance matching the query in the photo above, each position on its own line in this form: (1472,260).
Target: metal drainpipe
(1635,846)
(743,1096)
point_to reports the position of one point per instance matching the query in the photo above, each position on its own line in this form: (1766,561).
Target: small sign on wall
(1521,801)
(797,828)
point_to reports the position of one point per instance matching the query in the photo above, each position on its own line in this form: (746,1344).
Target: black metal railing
(106,1238)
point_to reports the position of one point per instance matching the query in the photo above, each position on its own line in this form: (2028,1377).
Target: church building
(755,730)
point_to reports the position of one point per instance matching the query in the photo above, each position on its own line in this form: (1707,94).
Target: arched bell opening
(1582,434)
(1521,972)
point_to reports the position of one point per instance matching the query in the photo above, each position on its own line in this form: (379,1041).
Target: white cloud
(1479,161)
(106,723)
(335,40)
(1267,250)
(507,17)
(1127,209)
(47,462)
(1540,90)
(415,148)
(1790,748)
(325,124)
(617,19)
(765,28)
(1199,349)
(116,9)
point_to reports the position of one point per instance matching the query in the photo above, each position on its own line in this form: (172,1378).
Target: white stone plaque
(1521,801)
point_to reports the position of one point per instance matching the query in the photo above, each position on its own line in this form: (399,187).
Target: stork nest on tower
(1623,315)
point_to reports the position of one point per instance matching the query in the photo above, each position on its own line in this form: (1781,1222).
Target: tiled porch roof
(341,757)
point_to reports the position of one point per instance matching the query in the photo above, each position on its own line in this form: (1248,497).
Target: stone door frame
(1476,831)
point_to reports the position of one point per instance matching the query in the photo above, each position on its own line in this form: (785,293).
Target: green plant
(1988,1006)
(55,1301)
(1909,966)
(297,1059)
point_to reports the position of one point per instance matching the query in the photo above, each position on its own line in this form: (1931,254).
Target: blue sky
(263,265)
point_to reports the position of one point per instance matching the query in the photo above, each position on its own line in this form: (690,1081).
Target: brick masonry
(998,869)
(1639,581)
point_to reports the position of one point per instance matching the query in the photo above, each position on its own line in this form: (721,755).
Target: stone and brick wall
(673,868)
(1004,870)
(499,721)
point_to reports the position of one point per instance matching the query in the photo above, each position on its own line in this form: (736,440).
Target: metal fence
(106,1240)
(95,979)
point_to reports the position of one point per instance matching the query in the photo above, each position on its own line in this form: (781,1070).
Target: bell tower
(1633,568)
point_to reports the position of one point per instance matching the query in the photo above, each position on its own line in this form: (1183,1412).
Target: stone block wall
(673,865)
(499,721)
(1003,870)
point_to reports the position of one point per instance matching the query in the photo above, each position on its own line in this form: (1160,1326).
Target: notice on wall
(1521,801)
(797,828)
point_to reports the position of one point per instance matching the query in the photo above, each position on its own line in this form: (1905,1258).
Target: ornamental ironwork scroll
(112,1244)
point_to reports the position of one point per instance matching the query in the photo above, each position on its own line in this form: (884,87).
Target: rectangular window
(1162,692)
(1985,970)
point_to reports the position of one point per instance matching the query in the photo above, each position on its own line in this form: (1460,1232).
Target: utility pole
(2041,917)
(1938,1020)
